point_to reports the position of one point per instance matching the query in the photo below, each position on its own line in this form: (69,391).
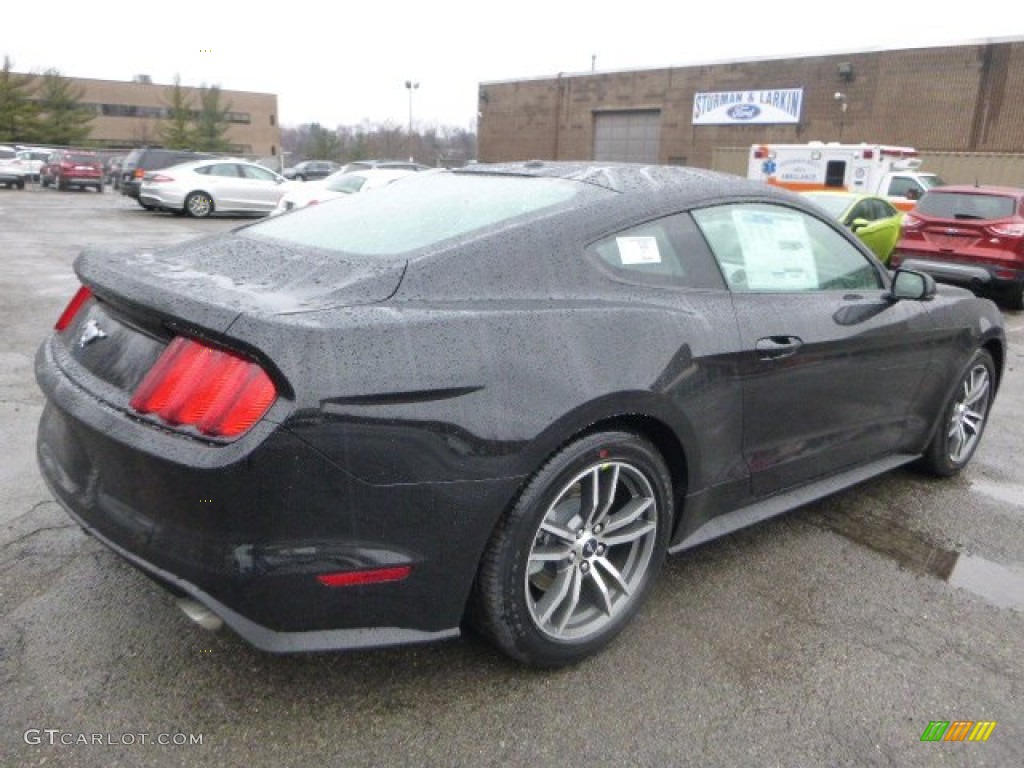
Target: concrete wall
(967,98)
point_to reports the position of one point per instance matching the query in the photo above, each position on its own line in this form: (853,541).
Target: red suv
(72,168)
(971,236)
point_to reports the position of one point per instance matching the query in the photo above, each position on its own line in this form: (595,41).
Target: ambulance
(870,169)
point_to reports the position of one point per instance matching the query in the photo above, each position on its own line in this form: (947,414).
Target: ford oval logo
(744,111)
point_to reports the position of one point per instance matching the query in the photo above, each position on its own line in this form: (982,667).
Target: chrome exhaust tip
(200,614)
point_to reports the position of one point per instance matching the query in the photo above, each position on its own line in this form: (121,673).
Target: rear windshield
(965,205)
(75,157)
(423,210)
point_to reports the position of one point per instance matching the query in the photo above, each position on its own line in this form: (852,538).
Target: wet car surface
(809,647)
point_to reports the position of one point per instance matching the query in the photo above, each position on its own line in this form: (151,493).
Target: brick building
(962,98)
(129,114)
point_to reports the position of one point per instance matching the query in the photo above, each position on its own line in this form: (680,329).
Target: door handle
(775,347)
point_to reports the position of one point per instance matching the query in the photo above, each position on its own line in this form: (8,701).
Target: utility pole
(411,86)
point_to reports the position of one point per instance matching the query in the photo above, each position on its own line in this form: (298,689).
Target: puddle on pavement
(997,584)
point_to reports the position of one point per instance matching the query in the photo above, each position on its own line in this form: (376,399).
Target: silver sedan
(222,185)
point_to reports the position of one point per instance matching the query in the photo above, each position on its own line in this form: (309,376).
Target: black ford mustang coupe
(495,396)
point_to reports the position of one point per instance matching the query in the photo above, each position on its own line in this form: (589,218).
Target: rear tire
(199,205)
(963,419)
(1015,296)
(571,563)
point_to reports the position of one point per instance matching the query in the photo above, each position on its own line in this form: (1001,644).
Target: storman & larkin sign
(738,107)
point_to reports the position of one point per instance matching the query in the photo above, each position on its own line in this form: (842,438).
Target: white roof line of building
(751,59)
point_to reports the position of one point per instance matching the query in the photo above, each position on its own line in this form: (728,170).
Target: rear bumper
(158,199)
(81,181)
(976,275)
(246,528)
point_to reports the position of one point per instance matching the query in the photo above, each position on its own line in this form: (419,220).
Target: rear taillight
(77,301)
(138,173)
(159,177)
(1009,229)
(219,393)
(910,222)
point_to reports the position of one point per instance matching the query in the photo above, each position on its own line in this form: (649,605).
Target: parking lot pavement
(831,636)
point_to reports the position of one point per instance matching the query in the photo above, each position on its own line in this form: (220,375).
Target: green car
(871,218)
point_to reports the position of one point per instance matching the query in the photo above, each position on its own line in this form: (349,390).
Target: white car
(338,185)
(213,185)
(13,172)
(33,159)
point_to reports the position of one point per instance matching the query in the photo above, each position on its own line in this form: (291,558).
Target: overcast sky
(342,62)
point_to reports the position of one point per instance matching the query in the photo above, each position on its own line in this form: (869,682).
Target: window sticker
(777,251)
(638,250)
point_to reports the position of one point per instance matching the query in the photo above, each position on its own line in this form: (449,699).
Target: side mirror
(858,224)
(916,286)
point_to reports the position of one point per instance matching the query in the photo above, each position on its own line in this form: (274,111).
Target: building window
(273,121)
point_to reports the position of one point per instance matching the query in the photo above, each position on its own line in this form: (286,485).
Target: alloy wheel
(969,411)
(592,551)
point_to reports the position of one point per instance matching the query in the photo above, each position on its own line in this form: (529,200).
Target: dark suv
(139,161)
(970,236)
(312,169)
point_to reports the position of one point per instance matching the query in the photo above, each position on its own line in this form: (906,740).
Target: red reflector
(1004,273)
(355,578)
(81,296)
(219,393)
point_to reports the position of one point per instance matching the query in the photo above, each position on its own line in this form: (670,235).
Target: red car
(68,168)
(970,236)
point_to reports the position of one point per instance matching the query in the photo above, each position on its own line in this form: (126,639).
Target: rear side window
(667,252)
(772,249)
(958,205)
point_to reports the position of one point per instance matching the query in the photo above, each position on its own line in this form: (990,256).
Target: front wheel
(963,419)
(571,563)
(198,205)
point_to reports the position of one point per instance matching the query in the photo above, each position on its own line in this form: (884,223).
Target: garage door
(627,137)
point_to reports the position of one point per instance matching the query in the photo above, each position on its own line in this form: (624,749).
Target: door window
(772,249)
(261,174)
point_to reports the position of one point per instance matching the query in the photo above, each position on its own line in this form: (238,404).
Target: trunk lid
(210,282)
(142,299)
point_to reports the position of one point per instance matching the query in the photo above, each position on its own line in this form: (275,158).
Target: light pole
(411,86)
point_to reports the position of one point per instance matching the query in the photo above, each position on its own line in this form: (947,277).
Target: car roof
(970,189)
(682,182)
